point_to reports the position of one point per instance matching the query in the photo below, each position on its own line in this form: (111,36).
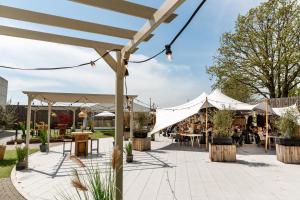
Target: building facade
(3,91)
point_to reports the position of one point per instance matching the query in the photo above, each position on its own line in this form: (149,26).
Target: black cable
(188,22)
(176,36)
(141,61)
(58,68)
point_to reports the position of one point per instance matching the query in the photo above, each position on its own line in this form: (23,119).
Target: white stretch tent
(220,101)
(105,114)
(166,117)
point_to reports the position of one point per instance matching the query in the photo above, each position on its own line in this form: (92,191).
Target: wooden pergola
(154,17)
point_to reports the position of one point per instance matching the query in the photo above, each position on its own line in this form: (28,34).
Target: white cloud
(166,83)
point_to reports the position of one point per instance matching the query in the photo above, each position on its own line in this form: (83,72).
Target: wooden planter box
(222,153)
(2,151)
(141,144)
(126,135)
(288,154)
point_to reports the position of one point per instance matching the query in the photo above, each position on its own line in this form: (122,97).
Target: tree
(8,115)
(263,53)
(236,90)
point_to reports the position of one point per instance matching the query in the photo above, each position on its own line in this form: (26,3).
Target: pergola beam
(52,20)
(108,59)
(49,37)
(126,7)
(168,7)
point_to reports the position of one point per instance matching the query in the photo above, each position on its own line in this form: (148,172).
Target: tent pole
(267,125)
(119,101)
(131,120)
(206,124)
(28,127)
(49,128)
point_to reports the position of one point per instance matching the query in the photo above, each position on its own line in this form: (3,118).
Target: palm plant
(22,152)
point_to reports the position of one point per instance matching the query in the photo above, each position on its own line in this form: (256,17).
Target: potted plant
(22,153)
(128,151)
(141,141)
(221,147)
(23,129)
(43,136)
(2,151)
(288,144)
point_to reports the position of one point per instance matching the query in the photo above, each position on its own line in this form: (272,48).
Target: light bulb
(169,57)
(168,52)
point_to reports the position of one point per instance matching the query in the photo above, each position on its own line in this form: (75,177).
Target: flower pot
(2,151)
(43,147)
(129,158)
(287,141)
(21,165)
(140,134)
(222,153)
(288,150)
(221,141)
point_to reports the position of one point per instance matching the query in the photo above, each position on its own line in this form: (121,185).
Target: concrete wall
(3,91)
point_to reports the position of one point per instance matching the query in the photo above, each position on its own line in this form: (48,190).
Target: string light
(168,52)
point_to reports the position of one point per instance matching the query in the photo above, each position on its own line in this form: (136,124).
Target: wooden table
(81,143)
(192,136)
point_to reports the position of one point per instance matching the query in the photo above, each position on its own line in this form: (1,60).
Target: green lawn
(9,162)
(102,134)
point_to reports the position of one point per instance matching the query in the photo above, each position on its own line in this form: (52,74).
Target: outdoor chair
(96,148)
(64,146)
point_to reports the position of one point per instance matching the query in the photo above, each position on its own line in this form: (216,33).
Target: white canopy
(105,114)
(220,101)
(166,117)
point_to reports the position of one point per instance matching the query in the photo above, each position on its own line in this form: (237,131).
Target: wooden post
(131,120)
(74,118)
(267,125)
(49,128)
(119,98)
(28,126)
(206,124)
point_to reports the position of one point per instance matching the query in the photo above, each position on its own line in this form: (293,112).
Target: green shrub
(222,121)
(43,136)
(128,149)
(287,124)
(22,152)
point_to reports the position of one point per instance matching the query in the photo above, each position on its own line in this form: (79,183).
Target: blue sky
(168,83)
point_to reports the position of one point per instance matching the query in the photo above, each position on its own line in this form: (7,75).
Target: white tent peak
(220,101)
(105,114)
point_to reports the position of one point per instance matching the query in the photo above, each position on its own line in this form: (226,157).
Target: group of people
(242,133)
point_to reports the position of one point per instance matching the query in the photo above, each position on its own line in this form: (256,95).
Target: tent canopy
(166,117)
(105,114)
(220,101)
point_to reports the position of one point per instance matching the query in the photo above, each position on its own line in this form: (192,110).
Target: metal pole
(206,124)
(119,100)
(28,127)
(49,127)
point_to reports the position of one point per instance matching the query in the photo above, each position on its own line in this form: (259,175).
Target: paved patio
(171,172)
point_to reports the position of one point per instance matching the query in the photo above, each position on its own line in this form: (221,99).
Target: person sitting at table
(236,136)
